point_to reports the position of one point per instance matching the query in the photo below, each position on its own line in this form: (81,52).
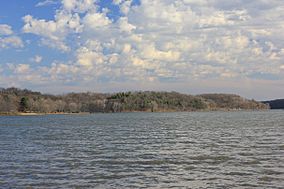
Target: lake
(242,149)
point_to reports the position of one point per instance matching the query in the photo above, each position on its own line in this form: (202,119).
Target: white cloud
(125,26)
(54,32)
(164,39)
(8,39)
(125,6)
(113,59)
(96,20)
(5,29)
(37,59)
(150,52)
(22,68)
(78,5)
(55,44)
(88,58)
(46,3)
(10,42)
(126,48)
(58,68)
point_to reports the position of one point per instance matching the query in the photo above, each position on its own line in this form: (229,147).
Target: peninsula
(14,101)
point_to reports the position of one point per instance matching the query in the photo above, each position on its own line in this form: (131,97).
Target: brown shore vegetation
(14,101)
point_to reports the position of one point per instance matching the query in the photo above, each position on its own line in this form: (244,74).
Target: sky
(189,46)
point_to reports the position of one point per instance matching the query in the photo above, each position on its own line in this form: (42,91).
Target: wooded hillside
(17,100)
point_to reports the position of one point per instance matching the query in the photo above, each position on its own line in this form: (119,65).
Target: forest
(14,100)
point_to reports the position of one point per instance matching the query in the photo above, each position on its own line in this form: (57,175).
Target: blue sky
(189,46)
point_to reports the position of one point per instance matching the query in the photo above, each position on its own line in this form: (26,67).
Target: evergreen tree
(23,104)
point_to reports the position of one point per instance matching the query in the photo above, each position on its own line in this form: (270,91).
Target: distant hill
(13,100)
(275,104)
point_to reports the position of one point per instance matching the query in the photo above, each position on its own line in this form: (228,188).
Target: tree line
(14,100)
(275,104)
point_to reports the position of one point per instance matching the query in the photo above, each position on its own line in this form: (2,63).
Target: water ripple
(143,150)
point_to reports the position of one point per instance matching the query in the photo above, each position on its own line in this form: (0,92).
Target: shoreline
(39,114)
(88,113)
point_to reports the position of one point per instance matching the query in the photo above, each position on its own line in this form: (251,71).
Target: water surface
(143,150)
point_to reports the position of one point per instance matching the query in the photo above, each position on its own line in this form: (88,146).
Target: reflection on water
(143,150)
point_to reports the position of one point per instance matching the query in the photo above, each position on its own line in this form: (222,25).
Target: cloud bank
(8,39)
(161,42)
